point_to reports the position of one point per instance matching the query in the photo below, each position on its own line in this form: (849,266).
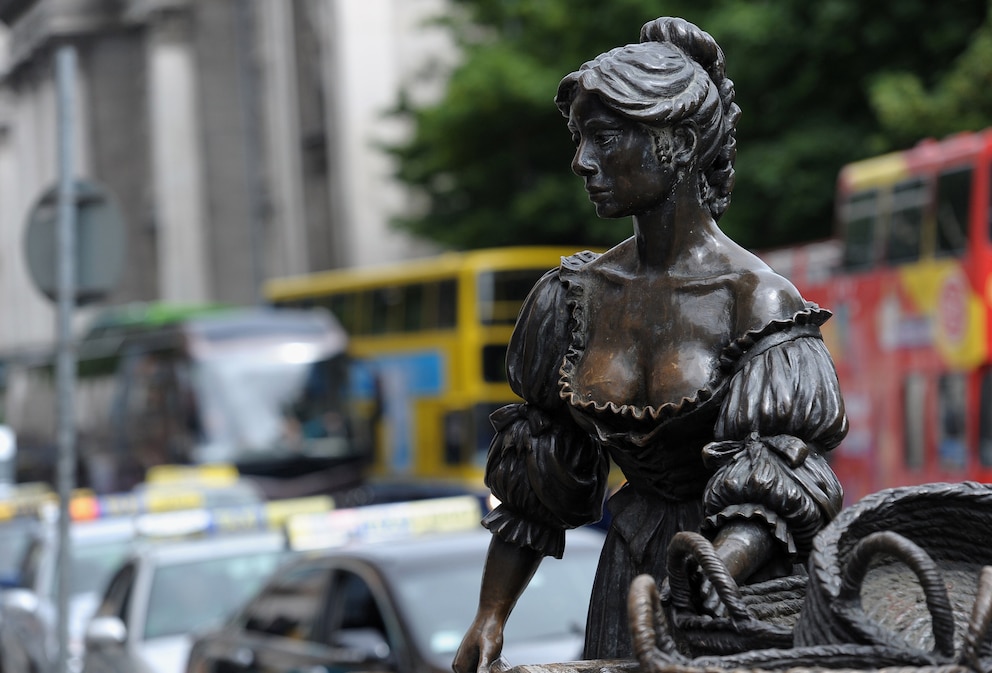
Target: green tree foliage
(492,157)
(960,101)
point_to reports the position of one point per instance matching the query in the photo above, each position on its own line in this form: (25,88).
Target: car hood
(165,655)
(552,650)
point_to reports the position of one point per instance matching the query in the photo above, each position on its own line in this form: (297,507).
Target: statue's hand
(708,599)
(748,552)
(480,648)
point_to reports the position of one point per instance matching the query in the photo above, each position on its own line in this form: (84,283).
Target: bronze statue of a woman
(677,353)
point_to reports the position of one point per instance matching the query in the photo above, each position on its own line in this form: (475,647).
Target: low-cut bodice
(648,361)
(658,376)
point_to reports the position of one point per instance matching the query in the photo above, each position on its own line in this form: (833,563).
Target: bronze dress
(747,445)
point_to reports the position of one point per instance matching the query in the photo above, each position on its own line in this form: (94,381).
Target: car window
(30,564)
(290,606)
(439,600)
(115,599)
(190,596)
(556,600)
(354,617)
(15,536)
(352,605)
(92,565)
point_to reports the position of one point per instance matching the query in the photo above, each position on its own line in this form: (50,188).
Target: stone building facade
(238,137)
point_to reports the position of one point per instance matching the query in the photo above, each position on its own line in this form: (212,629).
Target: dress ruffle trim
(812,315)
(777,526)
(524,533)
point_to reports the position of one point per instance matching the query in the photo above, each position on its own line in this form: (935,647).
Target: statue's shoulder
(560,283)
(548,313)
(765,296)
(579,260)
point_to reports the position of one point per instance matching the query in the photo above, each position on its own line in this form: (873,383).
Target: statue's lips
(597,193)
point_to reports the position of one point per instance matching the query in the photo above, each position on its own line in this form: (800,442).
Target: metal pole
(248,86)
(65,76)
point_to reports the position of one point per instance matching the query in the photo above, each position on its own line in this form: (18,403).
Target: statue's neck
(673,236)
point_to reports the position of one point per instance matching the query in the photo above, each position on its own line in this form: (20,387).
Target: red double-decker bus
(909,280)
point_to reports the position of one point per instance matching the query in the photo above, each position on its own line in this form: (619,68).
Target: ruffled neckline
(812,315)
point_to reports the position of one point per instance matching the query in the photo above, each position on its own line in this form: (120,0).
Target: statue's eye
(606,137)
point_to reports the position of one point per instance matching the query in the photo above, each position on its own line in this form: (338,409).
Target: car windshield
(189,596)
(93,563)
(442,600)
(15,535)
(264,400)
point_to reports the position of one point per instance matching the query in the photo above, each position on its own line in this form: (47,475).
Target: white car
(399,606)
(103,531)
(165,592)
(28,610)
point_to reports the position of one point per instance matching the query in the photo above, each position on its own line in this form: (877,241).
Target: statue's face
(618,159)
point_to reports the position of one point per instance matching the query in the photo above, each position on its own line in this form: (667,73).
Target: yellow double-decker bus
(428,342)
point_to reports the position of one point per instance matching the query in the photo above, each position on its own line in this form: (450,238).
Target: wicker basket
(755,616)
(858,589)
(901,581)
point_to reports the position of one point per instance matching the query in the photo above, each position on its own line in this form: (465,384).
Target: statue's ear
(684,142)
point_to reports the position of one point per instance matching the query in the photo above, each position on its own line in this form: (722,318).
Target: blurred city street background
(329,213)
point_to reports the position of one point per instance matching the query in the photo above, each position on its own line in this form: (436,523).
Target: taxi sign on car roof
(38,500)
(89,507)
(24,499)
(215,474)
(231,519)
(169,488)
(375,523)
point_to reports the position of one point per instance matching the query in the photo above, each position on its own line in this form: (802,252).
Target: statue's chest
(653,345)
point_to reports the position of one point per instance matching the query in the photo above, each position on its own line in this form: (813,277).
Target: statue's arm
(548,474)
(773,490)
(507,572)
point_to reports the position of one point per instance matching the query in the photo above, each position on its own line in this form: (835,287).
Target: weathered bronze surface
(900,581)
(700,372)
(678,353)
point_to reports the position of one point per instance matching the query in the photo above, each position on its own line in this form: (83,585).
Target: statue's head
(674,78)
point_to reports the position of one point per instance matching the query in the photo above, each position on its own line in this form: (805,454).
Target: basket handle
(926,570)
(686,546)
(980,623)
(653,644)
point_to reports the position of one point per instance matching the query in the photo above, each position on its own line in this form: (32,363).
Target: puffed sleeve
(548,474)
(782,413)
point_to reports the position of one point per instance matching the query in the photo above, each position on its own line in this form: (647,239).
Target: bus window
(154,423)
(951,405)
(447,304)
(413,304)
(455,437)
(860,218)
(902,242)
(953,192)
(914,414)
(468,434)
(484,430)
(502,292)
(403,308)
(386,304)
(344,307)
(985,419)
(494,363)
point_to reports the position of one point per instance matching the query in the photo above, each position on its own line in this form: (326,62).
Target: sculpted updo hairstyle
(675,74)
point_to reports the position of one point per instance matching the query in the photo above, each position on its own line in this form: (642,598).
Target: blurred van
(262,389)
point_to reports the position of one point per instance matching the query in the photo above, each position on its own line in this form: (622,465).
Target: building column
(282,137)
(177,161)
(28,166)
(333,86)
